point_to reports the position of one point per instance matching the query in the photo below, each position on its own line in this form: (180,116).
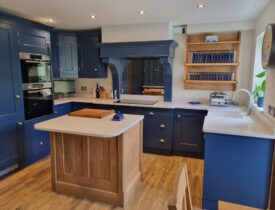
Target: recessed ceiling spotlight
(50,20)
(201,5)
(141,12)
(93,17)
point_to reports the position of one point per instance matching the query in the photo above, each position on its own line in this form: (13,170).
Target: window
(258,61)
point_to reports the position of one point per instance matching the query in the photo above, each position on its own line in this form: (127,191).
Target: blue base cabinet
(188,134)
(35,144)
(237,170)
(9,147)
(62,109)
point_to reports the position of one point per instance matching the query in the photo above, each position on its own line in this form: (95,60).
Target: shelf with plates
(212,64)
(203,59)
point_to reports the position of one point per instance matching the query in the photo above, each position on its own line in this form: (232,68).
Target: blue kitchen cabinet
(55,55)
(237,169)
(157,125)
(188,134)
(33,40)
(157,131)
(10,81)
(35,144)
(9,147)
(62,109)
(68,60)
(90,65)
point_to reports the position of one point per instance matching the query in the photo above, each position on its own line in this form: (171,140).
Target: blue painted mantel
(116,55)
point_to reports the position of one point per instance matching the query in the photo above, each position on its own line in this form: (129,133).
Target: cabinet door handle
(151,113)
(162,141)
(17,96)
(162,126)
(178,116)
(55,112)
(20,123)
(95,69)
(41,143)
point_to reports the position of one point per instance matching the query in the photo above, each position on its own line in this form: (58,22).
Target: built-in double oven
(37,85)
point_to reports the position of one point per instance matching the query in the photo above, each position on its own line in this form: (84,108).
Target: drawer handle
(162,141)
(20,123)
(17,96)
(151,113)
(95,69)
(56,112)
(41,143)
(179,116)
(162,126)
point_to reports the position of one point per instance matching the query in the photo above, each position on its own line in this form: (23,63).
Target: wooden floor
(31,188)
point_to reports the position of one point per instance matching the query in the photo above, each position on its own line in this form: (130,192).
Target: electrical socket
(83,88)
(271,111)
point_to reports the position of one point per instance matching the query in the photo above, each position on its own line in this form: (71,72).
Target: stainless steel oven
(37,85)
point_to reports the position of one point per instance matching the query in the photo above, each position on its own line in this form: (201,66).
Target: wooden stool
(181,197)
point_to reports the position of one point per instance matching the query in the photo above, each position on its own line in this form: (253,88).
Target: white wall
(267,16)
(139,32)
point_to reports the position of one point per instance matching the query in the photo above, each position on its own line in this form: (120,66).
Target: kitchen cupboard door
(9,147)
(68,61)
(33,40)
(188,134)
(55,55)
(35,143)
(10,80)
(90,65)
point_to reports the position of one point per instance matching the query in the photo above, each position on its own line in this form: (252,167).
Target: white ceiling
(74,14)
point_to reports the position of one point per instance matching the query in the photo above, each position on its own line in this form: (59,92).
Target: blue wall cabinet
(90,65)
(10,80)
(237,169)
(188,135)
(9,149)
(68,61)
(55,55)
(33,40)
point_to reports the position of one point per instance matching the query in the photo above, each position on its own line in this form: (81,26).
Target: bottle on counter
(111,94)
(115,94)
(97,91)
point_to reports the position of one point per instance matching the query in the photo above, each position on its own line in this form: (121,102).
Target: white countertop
(248,126)
(245,126)
(102,128)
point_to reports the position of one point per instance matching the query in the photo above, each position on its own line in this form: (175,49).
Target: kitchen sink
(136,101)
(228,114)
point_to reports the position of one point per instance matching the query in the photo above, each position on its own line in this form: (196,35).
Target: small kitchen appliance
(218,99)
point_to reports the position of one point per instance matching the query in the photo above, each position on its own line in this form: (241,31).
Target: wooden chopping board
(92,113)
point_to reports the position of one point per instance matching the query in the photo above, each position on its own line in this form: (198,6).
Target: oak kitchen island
(98,159)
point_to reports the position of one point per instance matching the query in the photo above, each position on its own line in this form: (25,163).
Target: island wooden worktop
(98,159)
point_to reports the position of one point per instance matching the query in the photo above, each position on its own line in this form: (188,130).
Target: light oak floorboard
(30,188)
